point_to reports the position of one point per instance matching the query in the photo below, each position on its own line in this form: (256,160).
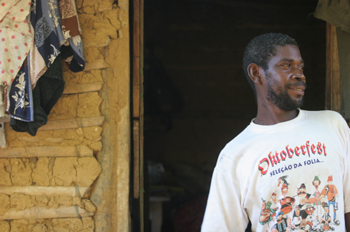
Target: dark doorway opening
(196,97)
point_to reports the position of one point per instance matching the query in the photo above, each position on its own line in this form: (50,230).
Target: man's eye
(286,65)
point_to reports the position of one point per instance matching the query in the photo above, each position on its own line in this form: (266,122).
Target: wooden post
(137,113)
(333,79)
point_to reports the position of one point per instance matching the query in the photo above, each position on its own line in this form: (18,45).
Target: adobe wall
(74,174)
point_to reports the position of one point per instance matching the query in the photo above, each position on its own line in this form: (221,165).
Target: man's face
(284,190)
(273,197)
(310,211)
(301,191)
(285,78)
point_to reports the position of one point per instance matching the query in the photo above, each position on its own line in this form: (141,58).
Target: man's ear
(254,72)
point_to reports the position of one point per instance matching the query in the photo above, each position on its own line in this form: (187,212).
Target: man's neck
(274,115)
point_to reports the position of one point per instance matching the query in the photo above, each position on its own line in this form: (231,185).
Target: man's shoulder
(323,116)
(243,137)
(238,143)
(321,113)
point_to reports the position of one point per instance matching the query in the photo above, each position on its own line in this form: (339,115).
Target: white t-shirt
(265,159)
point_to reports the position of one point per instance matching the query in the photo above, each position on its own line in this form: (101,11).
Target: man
(281,141)
(316,197)
(331,192)
(326,218)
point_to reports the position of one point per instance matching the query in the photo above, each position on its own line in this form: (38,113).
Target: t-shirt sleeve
(224,211)
(346,178)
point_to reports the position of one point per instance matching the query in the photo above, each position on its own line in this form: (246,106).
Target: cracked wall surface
(49,225)
(105,29)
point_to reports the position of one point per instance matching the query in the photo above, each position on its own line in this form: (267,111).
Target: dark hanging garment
(46,93)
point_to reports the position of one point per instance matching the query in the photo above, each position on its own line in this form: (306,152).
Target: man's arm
(224,212)
(347,221)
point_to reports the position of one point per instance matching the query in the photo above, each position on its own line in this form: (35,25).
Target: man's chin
(292,105)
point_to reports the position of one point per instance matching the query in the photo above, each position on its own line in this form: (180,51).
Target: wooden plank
(53,151)
(73,123)
(136,138)
(333,79)
(82,88)
(41,190)
(137,111)
(136,59)
(62,124)
(43,212)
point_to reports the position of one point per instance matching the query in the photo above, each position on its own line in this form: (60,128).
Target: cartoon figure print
(306,212)
(330,193)
(282,223)
(297,219)
(266,214)
(301,199)
(316,198)
(274,204)
(326,219)
(284,214)
(309,223)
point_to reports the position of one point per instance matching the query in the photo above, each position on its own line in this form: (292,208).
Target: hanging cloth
(56,31)
(48,90)
(20,96)
(15,41)
(55,25)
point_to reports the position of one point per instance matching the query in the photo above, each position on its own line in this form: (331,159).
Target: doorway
(196,97)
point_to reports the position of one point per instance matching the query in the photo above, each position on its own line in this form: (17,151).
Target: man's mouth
(298,87)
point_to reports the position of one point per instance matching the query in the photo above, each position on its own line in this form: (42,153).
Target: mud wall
(74,174)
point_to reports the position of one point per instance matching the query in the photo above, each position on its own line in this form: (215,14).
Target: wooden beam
(53,151)
(47,191)
(333,79)
(75,123)
(43,212)
(82,88)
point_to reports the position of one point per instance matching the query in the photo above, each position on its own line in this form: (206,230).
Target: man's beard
(281,98)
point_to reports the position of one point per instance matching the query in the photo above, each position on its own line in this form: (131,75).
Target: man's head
(316,182)
(309,209)
(260,49)
(301,190)
(284,189)
(274,68)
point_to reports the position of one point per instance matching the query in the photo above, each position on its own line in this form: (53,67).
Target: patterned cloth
(56,28)
(15,40)
(21,96)
(55,24)
(48,90)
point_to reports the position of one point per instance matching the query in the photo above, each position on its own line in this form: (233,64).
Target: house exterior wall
(74,174)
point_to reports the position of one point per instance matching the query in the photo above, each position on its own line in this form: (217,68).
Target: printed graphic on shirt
(276,158)
(301,210)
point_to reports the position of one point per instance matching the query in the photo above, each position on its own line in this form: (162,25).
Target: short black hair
(260,49)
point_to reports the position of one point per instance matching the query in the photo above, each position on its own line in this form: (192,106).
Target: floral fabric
(21,104)
(15,41)
(56,28)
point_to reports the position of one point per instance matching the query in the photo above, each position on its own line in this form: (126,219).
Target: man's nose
(299,75)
